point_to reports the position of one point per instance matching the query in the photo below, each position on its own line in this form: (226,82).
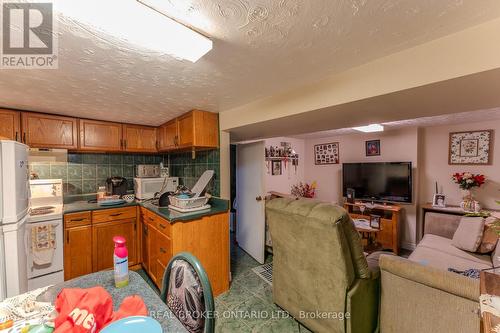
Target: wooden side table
(489,284)
(388,235)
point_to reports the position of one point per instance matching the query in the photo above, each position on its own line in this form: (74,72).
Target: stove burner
(42,210)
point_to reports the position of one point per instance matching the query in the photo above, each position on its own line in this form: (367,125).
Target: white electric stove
(44,233)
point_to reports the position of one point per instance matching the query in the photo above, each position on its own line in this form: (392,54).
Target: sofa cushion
(489,239)
(469,233)
(438,252)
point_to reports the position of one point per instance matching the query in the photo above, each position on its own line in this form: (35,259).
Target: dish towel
(43,243)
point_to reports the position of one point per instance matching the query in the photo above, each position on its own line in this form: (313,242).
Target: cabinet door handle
(124,144)
(121,143)
(150,218)
(162,250)
(67,237)
(162,226)
(76,220)
(117,214)
(24,137)
(17,136)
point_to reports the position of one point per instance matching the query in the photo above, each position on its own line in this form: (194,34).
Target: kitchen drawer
(77,219)
(163,249)
(163,226)
(159,223)
(114,214)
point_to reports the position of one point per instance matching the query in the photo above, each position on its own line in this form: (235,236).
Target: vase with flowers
(304,190)
(468,181)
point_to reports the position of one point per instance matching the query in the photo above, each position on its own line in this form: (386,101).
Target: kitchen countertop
(218,206)
(137,286)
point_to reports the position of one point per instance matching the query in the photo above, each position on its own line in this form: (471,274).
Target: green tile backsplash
(84,172)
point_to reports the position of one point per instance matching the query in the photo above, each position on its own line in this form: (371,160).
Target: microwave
(145,188)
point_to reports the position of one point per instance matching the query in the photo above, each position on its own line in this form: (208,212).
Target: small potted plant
(467,181)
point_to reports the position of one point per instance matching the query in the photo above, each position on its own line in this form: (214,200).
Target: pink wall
(396,146)
(434,165)
(289,177)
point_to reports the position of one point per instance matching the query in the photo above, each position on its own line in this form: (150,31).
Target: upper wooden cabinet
(48,131)
(167,134)
(10,125)
(100,136)
(195,129)
(138,138)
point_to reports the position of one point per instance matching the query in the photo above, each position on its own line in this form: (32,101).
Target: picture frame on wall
(372,148)
(326,153)
(276,168)
(470,148)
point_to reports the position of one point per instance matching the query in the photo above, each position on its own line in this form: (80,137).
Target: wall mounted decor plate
(326,153)
(373,148)
(471,148)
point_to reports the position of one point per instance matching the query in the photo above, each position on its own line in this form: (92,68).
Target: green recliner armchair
(320,274)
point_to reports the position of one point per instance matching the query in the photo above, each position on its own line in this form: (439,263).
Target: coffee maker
(116,186)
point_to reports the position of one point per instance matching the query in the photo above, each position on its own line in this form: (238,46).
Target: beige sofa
(418,294)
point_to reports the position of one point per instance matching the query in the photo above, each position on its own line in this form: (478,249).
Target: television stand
(389,221)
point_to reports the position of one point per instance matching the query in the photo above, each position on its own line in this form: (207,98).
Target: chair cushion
(439,252)
(469,233)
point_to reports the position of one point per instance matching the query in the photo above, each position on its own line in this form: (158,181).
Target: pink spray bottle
(120,259)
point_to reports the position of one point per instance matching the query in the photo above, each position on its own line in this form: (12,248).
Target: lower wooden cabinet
(103,246)
(151,241)
(207,238)
(89,246)
(77,252)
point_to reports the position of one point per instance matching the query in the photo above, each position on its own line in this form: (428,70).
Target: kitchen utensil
(111,202)
(129,197)
(164,200)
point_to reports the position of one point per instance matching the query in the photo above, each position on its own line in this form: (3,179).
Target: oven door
(46,261)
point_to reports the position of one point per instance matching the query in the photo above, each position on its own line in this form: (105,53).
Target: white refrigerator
(14,195)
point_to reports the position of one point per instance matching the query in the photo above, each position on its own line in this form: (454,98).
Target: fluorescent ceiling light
(370,128)
(139,25)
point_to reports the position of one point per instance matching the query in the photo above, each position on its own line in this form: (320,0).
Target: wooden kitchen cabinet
(195,129)
(168,136)
(49,131)
(10,125)
(207,238)
(102,241)
(139,139)
(100,136)
(77,251)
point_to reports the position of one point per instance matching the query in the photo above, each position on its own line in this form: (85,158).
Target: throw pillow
(490,237)
(469,233)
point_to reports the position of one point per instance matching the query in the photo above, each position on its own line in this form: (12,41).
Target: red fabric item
(90,310)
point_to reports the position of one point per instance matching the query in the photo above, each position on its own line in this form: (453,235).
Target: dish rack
(188,203)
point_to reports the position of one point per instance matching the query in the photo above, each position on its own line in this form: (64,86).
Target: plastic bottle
(120,259)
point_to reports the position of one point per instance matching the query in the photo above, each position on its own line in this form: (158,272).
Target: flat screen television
(381,181)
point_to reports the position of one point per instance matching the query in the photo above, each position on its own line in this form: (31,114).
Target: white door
(250,211)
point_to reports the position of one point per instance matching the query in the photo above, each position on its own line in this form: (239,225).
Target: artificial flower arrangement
(304,190)
(467,180)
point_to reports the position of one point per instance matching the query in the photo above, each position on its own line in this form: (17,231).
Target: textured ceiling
(261,47)
(448,119)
